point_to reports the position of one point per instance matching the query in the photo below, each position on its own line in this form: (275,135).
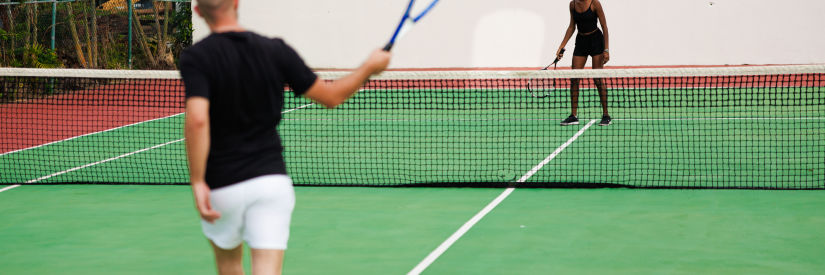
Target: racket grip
(557,58)
(388,47)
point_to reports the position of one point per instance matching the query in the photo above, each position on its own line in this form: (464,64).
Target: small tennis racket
(415,11)
(541,88)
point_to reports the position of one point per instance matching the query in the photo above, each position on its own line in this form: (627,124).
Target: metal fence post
(131,6)
(54,22)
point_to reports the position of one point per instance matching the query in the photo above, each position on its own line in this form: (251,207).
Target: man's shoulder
(215,40)
(275,42)
(195,52)
(200,46)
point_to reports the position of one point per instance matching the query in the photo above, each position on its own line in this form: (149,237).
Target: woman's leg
(578,63)
(598,63)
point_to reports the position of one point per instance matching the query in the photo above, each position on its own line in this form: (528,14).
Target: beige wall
(525,33)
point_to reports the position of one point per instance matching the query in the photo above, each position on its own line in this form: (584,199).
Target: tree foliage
(94,34)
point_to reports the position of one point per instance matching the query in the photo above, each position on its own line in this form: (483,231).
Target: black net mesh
(758,128)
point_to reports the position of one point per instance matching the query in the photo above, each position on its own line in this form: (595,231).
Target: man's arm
(196,132)
(331,94)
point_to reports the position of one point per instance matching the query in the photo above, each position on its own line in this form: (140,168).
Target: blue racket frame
(406,21)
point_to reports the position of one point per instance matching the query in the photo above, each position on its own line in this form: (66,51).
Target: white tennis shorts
(257,211)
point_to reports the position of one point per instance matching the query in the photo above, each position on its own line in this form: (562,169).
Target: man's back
(242,75)
(234,94)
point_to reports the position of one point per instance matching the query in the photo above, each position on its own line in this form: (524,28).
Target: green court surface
(92,229)
(739,139)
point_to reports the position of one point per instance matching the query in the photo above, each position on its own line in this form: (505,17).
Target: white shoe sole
(571,123)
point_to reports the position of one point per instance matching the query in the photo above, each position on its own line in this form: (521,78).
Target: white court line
(295,109)
(124,155)
(102,161)
(556,119)
(120,127)
(469,224)
(9,187)
(89,134)
(555,153)
(723,118)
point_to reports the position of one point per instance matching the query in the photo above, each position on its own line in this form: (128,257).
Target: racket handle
(557,58)
(388,47)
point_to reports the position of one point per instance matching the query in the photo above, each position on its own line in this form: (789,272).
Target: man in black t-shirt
(234,95)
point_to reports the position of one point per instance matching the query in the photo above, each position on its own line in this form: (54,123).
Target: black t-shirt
(242,74)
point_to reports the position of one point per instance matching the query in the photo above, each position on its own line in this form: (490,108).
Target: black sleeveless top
(585,21)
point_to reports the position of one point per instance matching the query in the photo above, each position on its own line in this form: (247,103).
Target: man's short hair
(209,8)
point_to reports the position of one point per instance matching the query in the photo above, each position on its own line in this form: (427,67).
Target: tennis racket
(541,88)
(415,11)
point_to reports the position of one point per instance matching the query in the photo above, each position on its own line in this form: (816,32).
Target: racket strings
(420,8)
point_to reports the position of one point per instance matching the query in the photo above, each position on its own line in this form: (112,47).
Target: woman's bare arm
(603,22)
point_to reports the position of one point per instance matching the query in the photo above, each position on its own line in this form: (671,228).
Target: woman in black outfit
(590,41)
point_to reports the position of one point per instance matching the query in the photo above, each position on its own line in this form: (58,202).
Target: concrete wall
(526,33)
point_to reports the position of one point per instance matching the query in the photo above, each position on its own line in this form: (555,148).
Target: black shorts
(592,44)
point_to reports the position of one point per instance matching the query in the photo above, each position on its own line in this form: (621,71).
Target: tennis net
(732,127)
